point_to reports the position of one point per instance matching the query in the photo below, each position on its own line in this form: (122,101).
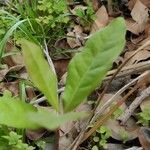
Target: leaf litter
(138,26)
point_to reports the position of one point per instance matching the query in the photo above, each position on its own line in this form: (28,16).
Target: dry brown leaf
(118,131)
(10,86)
(30,93)
(139,13)
(61,66)
(144,41)
(134,27)
(140,56)
(13,60)
(102,19)
(96,4)
(3,72)
(131,3)
(35,134)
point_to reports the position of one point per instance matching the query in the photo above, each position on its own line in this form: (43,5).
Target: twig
(114,98)
(128,70)
(49,58)
(105,117)
(119,69)
(42,99)
(110,8)
(128,112)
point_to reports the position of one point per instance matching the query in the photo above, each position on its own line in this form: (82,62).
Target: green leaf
(52,120)
(41,74)
(14,113)
(7,35)
(88,68)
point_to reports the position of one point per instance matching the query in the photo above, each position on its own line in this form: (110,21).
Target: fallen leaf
(119,132)
(3,72)
(102,19)
(131,3)
(139,13)
(10,86)
(35,134)
(30,93)
(15,59)
(96,4)
(61,66)
(134,27)
(140,56)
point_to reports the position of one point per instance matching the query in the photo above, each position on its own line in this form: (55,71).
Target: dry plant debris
(131,69)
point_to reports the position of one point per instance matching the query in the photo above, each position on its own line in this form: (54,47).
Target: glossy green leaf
(41,74)
(14,113)
(52,120)
(88,68)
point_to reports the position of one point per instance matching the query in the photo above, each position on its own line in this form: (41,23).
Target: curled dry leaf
(134,27)
(102,19)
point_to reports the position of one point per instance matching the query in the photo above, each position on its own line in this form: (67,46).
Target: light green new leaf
(52,120)
(14,113)
(88,68)
(41,74)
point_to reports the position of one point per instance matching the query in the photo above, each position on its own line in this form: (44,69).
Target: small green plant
(86,16)
(102,134)
(85,72)
(45,19)
(41,144)
(52,13)
(144,117)
(14,142)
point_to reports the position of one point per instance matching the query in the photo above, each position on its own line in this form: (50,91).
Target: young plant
(45,19)
(85,72)
(14,142)
(144,117)
(102,134)
(87,16)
